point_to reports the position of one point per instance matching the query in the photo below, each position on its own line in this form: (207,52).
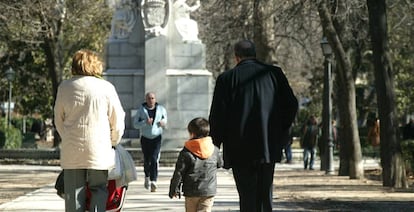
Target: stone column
(155,57)
(125,59)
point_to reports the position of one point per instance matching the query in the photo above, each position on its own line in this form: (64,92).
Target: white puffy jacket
(90,120)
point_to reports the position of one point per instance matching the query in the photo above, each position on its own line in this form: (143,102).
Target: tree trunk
(53,53)
(262,21)
(348,119)
(51,66)
(343,138)
(393,168)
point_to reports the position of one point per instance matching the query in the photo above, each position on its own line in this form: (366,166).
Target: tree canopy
(37,40)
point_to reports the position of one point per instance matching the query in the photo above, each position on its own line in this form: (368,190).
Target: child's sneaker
(153,186)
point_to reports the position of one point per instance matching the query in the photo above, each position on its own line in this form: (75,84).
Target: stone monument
(154,46)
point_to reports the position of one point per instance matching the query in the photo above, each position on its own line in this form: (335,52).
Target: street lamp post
(10,77)
(327,107)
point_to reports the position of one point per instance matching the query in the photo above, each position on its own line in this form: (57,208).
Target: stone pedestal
(163,64)
(189,96)
(125,69)
(176,73)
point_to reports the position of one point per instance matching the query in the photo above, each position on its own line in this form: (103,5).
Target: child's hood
(201,147)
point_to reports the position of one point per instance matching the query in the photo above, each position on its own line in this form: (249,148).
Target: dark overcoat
(252,109)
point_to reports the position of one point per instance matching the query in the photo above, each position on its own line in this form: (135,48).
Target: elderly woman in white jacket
(90,120)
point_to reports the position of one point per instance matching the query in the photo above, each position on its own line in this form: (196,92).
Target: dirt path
(315,191)
(296,189)
(16,181)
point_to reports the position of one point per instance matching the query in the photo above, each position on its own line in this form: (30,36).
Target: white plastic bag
(128,170)
(124,170)
(116,172)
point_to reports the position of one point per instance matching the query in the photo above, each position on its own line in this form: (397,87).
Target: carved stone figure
(124,18)
(186,27)
(155,14)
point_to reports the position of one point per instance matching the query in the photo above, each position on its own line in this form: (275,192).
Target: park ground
(295,189)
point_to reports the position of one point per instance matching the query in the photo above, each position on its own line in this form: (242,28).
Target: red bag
(116,197)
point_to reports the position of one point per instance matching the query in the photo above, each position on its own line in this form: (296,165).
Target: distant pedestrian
(288,148)
(374,133)
(90,120)
(38,127)
(196,168)
(151,119)
(252,110)
(408,132)
(309,142)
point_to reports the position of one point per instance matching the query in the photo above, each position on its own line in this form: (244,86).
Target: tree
(262,19)
(286,33)
(400,20)
(38,38)
(351,148)
(391,156)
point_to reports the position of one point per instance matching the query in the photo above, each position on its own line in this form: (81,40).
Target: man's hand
(161,124)
(150,121)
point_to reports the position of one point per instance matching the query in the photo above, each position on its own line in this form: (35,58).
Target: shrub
(407,147)
(10,136)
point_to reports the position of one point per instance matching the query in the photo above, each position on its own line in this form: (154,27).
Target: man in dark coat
(252,110)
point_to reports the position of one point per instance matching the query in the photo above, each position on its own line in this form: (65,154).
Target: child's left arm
(177,178)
